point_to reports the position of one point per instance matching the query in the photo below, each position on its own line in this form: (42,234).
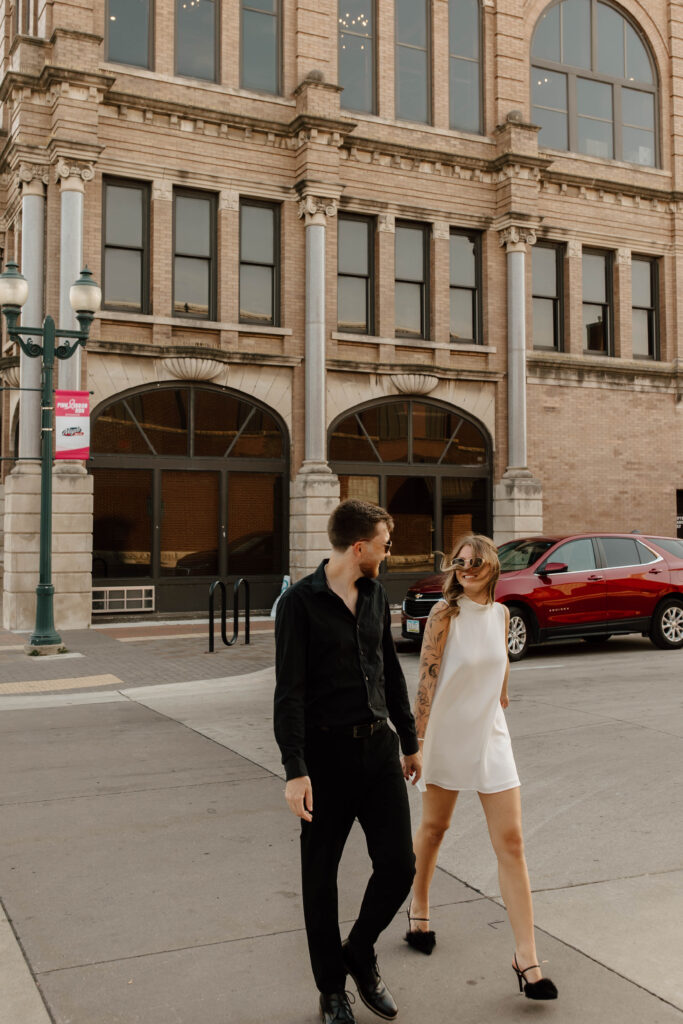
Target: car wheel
(599,638)
(518,633)
(666,629)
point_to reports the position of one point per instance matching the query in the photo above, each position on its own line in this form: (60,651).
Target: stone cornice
(185,111)
(564,368)
(51,75)
(117,348)
(443,373)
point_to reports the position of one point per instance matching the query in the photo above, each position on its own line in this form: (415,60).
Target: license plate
(412,626)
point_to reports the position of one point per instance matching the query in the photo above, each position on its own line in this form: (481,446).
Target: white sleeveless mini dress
(467,743)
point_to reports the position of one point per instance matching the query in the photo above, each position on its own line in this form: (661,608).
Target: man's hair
(355,520)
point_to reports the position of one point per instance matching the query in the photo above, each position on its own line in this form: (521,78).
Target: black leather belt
(358,732)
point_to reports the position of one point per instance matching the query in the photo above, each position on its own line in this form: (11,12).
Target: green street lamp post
(85,297)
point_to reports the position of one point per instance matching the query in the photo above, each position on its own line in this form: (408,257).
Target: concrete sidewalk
(149,868)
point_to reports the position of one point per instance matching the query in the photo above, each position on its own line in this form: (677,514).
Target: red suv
(587,585)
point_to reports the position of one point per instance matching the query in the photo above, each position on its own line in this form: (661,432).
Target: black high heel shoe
(541,989)
(423,942)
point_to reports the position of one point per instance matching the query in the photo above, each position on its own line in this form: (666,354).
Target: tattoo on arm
(435,635)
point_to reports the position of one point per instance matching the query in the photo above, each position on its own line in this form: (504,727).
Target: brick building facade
(455,291)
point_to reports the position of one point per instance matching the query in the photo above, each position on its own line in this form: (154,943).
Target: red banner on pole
(72,425)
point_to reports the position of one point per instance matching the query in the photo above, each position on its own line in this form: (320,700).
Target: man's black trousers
(353,778)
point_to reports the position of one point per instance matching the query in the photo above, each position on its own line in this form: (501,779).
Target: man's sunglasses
(467,563)
(387,545)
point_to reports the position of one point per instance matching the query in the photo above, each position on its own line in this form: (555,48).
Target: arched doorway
(190,484)
(428,464)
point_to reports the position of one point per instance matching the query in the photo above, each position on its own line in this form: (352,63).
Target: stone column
(71,180)
(622,312)
(440,313)
(315,491)
(518,497)
(34,180)
(573,290)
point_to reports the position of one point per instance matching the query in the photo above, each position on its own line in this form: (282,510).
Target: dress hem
(473,789)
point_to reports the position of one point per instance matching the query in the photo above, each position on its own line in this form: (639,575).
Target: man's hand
(299,796)
(412,765)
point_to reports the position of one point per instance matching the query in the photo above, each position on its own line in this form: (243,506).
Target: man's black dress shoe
(335,1008)
(371,988)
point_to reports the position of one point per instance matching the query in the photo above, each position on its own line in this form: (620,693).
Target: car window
(520,554)
(620,551)
(645,554)
(578,554)
(670,544)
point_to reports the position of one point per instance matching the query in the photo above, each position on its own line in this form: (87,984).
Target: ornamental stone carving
(516,237)
(623,257)
(11,375)
(387,222)
(574,249)
(31,172)
(441,229)
(64,171)
(315,210)
(229,199)
(414,383)
(193,367)
(162,189)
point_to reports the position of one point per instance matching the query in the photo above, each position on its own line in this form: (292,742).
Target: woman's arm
(504,699)
(435,635)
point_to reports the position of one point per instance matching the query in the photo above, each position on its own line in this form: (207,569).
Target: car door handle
(655,571)
(592,579)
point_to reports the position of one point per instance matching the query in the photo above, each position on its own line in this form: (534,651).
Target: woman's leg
(504,819)
(437,809)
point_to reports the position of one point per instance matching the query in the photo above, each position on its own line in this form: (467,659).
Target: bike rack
(236,611)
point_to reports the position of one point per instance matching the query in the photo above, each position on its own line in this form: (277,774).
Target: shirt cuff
(409,744)
(295,767)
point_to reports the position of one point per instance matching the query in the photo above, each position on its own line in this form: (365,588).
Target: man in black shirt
(338,681)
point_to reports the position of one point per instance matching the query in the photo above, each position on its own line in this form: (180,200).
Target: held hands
(411,765)
(299,796)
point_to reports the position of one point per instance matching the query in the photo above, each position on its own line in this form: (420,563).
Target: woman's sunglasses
(467,563)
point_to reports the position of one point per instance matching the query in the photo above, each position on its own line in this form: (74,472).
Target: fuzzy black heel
(423,942)
(541,989)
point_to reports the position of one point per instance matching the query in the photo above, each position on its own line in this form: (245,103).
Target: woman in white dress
(463,689)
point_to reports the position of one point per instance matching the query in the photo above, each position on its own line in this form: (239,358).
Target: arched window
(428,464)
(190,481)
(593,83)
(464,34)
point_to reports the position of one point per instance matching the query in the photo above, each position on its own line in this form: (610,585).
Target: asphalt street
(149,866)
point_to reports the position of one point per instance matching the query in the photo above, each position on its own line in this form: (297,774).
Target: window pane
(553,125)
(463,28)
(353,246)
(546,45)
(349,443)
(432,430)
(549,89)
(463,507)
(462,315)
(163,415)
(467,448)
(123,278)
(387,425)
(128,32)
(638,108)
(641,283)
(641,332)
(611,57)
(215,422)
(267,6)
(356,54)
(544,323)
(114,432)
(594,328)
(192,226)
(191,287)
(576,33)
(464,95)
(408,308)
(411,22)
(362,488)
(196,39)
(620,551)
(254,523)
(594,267)
(638,66)
(257,234)
(595,138)
(124,216)
(260,69)
(576,554)
(645,554)
(410,501)
(544,270)
(122,525)
(256,294)
(352,311)
(261,437)
(189,524)
(411,85)
(409,253)
(594,99)
(463,262)
(639,146)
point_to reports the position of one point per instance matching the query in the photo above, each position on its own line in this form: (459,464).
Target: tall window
(196,49)
(259,263)
(355,274)
(356,20)
(593,83)
(464,65)
(412,275)
(261,45)
(644,301)
(129,32)
(413,99)
(465,287)
(597,301)
(126,246)
(194,264)
(546,265)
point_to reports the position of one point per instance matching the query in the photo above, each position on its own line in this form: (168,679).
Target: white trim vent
(122,599)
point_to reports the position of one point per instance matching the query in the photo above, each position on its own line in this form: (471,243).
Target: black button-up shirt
(334,669)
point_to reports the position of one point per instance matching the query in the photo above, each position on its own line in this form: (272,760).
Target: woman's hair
(482,547)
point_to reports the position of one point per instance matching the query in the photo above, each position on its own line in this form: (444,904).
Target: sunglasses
(387,545)
(467,563)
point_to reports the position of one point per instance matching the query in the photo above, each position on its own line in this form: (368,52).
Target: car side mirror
(552,567)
